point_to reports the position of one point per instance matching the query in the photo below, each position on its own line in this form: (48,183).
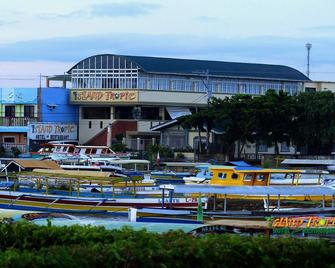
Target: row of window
(121,112)
(28,111)
(226,86)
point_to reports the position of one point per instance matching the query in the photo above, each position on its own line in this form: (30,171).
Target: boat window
(94,151)
(248,177)
(87,151)
(260,177)
(77,150)
(222,175)
(58,149)
(71,150)
(64,149)
(234,176)
(103,151)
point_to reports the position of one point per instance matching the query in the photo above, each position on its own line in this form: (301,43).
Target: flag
(158,159)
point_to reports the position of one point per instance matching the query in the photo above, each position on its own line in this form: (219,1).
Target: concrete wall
(321,86)
(55,106)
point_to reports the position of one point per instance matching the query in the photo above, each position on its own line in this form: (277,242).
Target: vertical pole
(78,188)
(225,204)
(323,202)
(134,187)
(46,186)
(70,188)
(332,201)
(163,195)
(214,202)
(170,197)
(268,202)
(278,202)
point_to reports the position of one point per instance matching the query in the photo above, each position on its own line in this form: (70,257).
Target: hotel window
(195,86)
(10,111)
(262,147)
(284,147)
(28,111)
(218,87)
(9,139)
(96,113)
(172,84)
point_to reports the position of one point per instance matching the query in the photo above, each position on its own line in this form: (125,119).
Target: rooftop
(158,65)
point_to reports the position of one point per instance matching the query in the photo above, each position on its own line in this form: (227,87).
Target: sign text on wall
(103,96)
(52,131)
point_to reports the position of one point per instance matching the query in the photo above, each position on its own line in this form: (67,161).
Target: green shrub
(15,151)
(27,245)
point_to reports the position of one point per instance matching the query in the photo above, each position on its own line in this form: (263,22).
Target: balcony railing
(8,147)
(16,121)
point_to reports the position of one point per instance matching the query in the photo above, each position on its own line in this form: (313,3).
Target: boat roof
(317,162)
(62,144)
(183,164)
(239,163)
(255,190)
(252,169)
(92,146)
(129,161)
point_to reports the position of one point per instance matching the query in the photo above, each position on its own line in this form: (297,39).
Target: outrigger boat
(45,182)
(61,151)
(59,203)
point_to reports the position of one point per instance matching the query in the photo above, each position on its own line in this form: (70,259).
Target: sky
(40,38)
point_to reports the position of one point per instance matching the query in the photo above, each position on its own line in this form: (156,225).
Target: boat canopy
(256,190)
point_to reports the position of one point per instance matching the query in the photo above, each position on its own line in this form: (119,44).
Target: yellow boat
(247,182)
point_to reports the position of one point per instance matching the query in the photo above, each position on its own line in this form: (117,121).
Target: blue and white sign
(18,95)
(52,131)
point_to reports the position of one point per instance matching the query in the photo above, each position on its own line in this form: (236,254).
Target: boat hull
(39,202)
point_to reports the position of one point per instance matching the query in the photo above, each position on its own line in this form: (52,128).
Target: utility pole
(308,46)
(209,96)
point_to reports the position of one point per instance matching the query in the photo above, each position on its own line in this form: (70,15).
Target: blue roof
(248,168)
(239,163)
(215,68)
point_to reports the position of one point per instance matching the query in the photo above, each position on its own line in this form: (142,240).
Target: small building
(18,108)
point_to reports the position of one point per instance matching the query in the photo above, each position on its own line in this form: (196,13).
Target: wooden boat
(56,203)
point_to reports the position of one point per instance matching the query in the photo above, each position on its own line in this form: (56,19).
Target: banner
(52,131)
(103,96)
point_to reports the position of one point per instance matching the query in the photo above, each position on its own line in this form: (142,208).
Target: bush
(28,245)
(15,151)
(180,156)
(119,147)
(2,151)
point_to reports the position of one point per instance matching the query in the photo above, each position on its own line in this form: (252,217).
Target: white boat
(62,151)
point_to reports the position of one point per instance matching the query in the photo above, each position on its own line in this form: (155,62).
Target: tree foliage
(306,120)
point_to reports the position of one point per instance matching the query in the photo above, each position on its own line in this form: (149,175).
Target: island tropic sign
(105,96)
(52,131)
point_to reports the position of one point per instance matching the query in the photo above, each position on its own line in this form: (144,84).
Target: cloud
(321,28)
(71,15)
(6,22)
(122,9)
(206,19)
(104,10)
(261,49)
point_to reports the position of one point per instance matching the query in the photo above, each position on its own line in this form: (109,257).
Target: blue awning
(176,112)
(14,129)
(256,190)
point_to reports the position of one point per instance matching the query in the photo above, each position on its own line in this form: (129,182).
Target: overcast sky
(49,36)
